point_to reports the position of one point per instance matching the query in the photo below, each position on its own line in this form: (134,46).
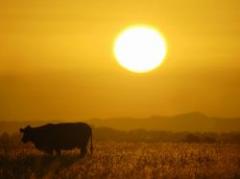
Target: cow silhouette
(57,137)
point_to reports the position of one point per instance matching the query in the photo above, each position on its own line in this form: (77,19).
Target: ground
(125,160)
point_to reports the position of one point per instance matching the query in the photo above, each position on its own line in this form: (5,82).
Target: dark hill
(192,122)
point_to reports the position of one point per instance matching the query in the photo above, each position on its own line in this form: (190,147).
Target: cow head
(27,134)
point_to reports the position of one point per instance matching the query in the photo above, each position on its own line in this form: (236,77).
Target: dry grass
(125,160)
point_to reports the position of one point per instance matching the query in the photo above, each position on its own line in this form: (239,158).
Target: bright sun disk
(140,49)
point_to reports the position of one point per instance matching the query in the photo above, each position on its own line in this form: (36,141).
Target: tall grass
(125,160)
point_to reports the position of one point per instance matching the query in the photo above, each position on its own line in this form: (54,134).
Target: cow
(56,137)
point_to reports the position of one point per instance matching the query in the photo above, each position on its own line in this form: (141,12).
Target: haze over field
(57,62)
(190,122)
(120,89)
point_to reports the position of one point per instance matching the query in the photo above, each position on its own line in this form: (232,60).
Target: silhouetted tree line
(141,135)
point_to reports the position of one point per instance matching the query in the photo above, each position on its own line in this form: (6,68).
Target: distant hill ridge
(192,122)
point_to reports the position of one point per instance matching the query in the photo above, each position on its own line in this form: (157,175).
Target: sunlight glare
(140,49)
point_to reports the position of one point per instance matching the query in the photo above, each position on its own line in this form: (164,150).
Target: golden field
(124,160)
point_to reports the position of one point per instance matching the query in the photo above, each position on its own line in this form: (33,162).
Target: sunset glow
(140,49)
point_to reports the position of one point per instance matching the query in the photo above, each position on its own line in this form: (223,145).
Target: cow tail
(91,147)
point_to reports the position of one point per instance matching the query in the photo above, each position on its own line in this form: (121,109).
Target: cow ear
(21,130)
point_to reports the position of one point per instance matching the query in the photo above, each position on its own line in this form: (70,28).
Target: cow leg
(83,151)
(49,151)
(58,151)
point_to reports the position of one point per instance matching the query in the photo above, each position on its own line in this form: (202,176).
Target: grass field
(125,160)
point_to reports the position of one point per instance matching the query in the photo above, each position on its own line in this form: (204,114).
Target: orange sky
(56,59)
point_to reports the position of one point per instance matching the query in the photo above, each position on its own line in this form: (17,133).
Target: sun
(140,48)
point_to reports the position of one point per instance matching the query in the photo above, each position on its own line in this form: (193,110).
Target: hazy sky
(56,59)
